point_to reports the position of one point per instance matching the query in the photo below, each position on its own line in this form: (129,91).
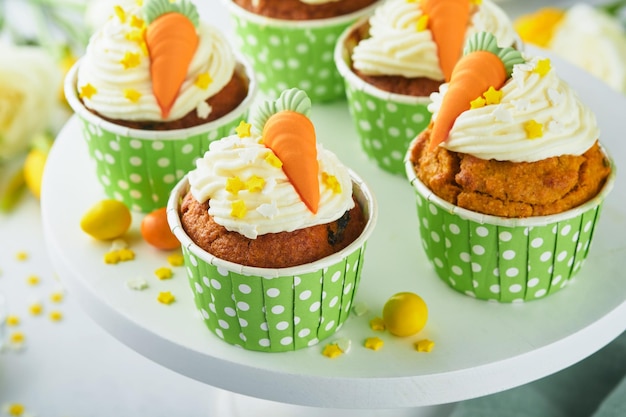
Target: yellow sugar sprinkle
(533,129)
(120,13)
(119,255)
(477,2)
(330,181)
(492,96)
(126,254)
(12,320)
(132,94)
(21,256)
(17,337)
(424,345)
(234,185)
(137,22)
(543,67)
(130,60)
(35,309)
(243,130)
(255,184)
(55,315)
(332,351)
(32,280)
(176,259)
(377,324)
(163,273)
(422,23)
(238,209)
(166,297)
(15,409)
(478,103)
(273,160)
(374,343)
(87,91)
(56,297)
(203,81)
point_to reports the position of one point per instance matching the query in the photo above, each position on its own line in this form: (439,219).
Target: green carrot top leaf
(485,41)
(155,8)
(293,99)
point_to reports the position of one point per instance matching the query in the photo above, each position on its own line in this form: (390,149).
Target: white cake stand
(481,348)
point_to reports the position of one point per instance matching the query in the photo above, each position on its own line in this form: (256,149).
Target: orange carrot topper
(483,65)
(447,21)
(290,134)
(172,40)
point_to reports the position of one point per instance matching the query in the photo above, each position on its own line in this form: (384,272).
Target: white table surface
(74,368)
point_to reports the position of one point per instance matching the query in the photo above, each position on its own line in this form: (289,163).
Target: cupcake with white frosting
(510,176)
(395,59)
(150,102)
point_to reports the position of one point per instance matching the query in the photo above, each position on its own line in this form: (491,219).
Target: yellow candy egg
(106,220)
(405,314)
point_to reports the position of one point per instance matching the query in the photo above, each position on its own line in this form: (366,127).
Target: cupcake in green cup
(290,43)
(510,183)
(392,61)
(144,119)
(273,230)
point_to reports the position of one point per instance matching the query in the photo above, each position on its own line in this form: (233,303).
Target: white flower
(593,41)
(29,82)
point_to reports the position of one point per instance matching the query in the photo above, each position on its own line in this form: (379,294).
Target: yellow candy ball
(405,314)
(106,220)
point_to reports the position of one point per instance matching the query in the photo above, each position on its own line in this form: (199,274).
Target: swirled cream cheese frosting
(253,182)
(116,80)
(534,116)
(402,43)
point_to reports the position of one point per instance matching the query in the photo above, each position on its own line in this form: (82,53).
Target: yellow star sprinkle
(15,409)
(126,254)
(492,96)
(332,351)
(234,185)
(137,22)
(238,209)
(120,255)
(56,297)
(132,94)
(255,184)
(87,91)
(55,315)
(477,2)
(543,67)
(17,337)
(203,81)
(32,280)
(422,23)
(478,103)
(21,256)
(273,160)
(243,130)
(176,259)
(12,320)
(138,36)
(533,129)
(163,273)
(330,181)
(166,297)
(120,13)
(35,309)
(374,343)
(377,324)
(424,345)
(130,60)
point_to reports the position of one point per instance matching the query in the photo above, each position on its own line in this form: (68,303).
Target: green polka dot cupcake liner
(385,122)
(289,53)
(274,309)
(504,259)
(140,167)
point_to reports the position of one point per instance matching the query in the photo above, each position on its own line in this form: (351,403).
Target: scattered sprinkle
(255,184)
(477,103)
(422,23)
(32,280)
(377,324)
(533,129)
(12,320)
(345,344)
(21,256)
(120,255)
(203,109)
(35,309)
(118,244)
(17,338)
(203,81)
(166,297)
(137,284)
(359,309)
(374,343)
(234,185)
(87,91)
(120,13)
(424,345)
(273,160)
(331,182)
(163,273)
(238,209)
(15,410)
(332,351)
(243,130)
(57,296)
(132,95)
(130,60)
(543,67)
(554,96)
(137,22)
(492,96)
(176,259)
(55,315)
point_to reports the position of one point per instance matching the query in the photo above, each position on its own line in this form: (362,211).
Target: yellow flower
(538,27)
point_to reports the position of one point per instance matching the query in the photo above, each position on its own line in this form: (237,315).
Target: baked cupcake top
(412,39)
(272,176)
(154,62)
(500,105)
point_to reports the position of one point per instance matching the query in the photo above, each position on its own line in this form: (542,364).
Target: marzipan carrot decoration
(290,134)
(172,40)
(447,21)
(484,65)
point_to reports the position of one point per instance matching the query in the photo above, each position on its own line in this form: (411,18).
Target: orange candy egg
(156,231)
